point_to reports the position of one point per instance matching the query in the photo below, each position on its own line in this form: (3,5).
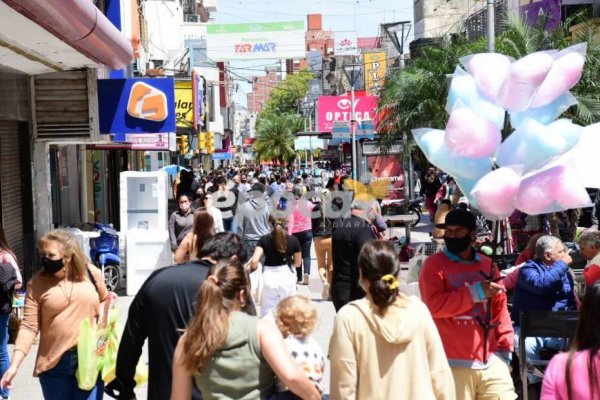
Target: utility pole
(491,38)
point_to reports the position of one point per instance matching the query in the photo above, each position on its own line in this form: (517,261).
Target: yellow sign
(375,70)
(184,104)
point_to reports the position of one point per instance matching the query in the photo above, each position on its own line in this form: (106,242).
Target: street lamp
(395,31)
(352,72)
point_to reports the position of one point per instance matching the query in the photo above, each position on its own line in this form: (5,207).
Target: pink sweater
(555,381)
(299,220)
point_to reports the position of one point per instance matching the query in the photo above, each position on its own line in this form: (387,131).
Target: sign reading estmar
(255,41)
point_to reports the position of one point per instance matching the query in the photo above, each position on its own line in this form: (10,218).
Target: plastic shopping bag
(256,284)
(87,370)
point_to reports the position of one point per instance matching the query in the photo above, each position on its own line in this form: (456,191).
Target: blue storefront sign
(141,105)
(222,156)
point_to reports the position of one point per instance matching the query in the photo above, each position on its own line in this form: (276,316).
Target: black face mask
(457,245)
(52,266)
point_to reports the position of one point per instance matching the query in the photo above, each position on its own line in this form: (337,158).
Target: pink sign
(149,141)
(339,109)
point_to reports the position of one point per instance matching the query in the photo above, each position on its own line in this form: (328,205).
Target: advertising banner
(140,105)
(346,43)
(532,10)
(253,41)
(333,109)
(375,70)
(150,141)
(388,168)
(184,104)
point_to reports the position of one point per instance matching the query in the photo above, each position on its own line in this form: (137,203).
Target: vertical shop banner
(388,168)
(251,41)
(198,99)
(375,71)
(532,10)
(184,104)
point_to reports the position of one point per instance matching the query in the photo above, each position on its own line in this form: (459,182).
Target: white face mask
(184,207)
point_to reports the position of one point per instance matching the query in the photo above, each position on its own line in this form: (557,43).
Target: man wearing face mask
(454,287)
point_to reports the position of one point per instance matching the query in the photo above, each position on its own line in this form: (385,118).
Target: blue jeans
(4,357)
(533,347)
(60,382)
(305,239)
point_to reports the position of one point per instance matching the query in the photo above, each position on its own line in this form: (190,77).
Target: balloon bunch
(544,164)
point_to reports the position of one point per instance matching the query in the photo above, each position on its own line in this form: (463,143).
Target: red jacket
(445,282)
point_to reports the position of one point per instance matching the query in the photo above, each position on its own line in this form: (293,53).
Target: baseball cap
(463,199)
(461,218)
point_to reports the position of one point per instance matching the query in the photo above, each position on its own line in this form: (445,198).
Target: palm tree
(275,138)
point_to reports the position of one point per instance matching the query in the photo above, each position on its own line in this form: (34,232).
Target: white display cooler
(144,222)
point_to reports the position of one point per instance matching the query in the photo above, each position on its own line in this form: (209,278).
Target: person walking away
(386,345)
(180,222)
(159,312)
(349,235)
(282,252)
(226,201)
(300,225)
(297,318)
(253,218)
(12,280)
(204,228)
(575,375)
(322,230)
(65,291)
(221,342)
(454,287)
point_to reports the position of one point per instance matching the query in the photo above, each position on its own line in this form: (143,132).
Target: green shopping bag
(87,369)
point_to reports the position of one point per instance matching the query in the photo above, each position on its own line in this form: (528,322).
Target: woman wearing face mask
(181,221)
(59,297)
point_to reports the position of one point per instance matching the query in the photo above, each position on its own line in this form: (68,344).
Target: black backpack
(8,280)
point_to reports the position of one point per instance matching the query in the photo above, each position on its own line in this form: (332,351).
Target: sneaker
(305,280)
(325,293)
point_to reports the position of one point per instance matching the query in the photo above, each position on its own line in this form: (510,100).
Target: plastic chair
(556,324)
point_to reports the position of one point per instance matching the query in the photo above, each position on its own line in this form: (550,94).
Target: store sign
(140,105)
(333,109)
(388,168)
(184,104)
(222,156)
(346,43)
(375,70)
(255,41)
(150,141)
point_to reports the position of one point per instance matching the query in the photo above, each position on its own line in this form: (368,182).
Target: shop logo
(346,42)
(345,104)
(147,102)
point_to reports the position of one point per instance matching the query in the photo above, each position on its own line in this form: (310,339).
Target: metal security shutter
(65,105)
(11,191)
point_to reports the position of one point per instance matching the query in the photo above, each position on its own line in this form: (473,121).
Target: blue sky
(363,16)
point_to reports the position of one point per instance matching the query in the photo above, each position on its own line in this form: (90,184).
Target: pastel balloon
(429,140)
(569,191)
(533,144)
(463,88)
(546,114)
(466,186)
(489,111)
(584,156)
(495,193)
(523,79)
(489,71)
(463,167)
(471,135)
(564,74)
(534,194)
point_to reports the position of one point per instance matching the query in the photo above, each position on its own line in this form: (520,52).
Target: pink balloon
(495,193)
(565,73)
(535,193)
(568,190)
(489,70)
(471,135)
(523,80)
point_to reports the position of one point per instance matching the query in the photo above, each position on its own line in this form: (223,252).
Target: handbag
(256,282)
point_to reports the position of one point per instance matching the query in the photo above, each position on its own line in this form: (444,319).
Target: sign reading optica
(141,105)
(375,69)
(339,109)
(255,41)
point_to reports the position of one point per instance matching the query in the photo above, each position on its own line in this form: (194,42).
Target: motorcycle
(412,208)
(104,252)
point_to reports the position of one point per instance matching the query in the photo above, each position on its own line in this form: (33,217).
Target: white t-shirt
(309,356)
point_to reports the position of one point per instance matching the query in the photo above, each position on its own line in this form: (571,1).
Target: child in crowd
(296,317)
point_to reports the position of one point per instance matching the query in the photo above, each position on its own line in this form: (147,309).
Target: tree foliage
(284,98)
(275,138)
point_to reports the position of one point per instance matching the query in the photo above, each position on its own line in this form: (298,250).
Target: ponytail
(208,329)
(380,265)
(279,234)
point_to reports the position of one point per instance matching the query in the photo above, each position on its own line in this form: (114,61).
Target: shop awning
(342,131)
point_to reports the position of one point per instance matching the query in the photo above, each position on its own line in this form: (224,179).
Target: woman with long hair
(282,253)
(300,226)
(7,257)
(181,221)
(64,292)
(222,342)
(576,375)
(204,227)
(386,345)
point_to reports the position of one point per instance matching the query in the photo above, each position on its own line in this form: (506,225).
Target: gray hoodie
(253,219)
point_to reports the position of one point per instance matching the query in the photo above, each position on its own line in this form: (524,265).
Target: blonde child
(296,317)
